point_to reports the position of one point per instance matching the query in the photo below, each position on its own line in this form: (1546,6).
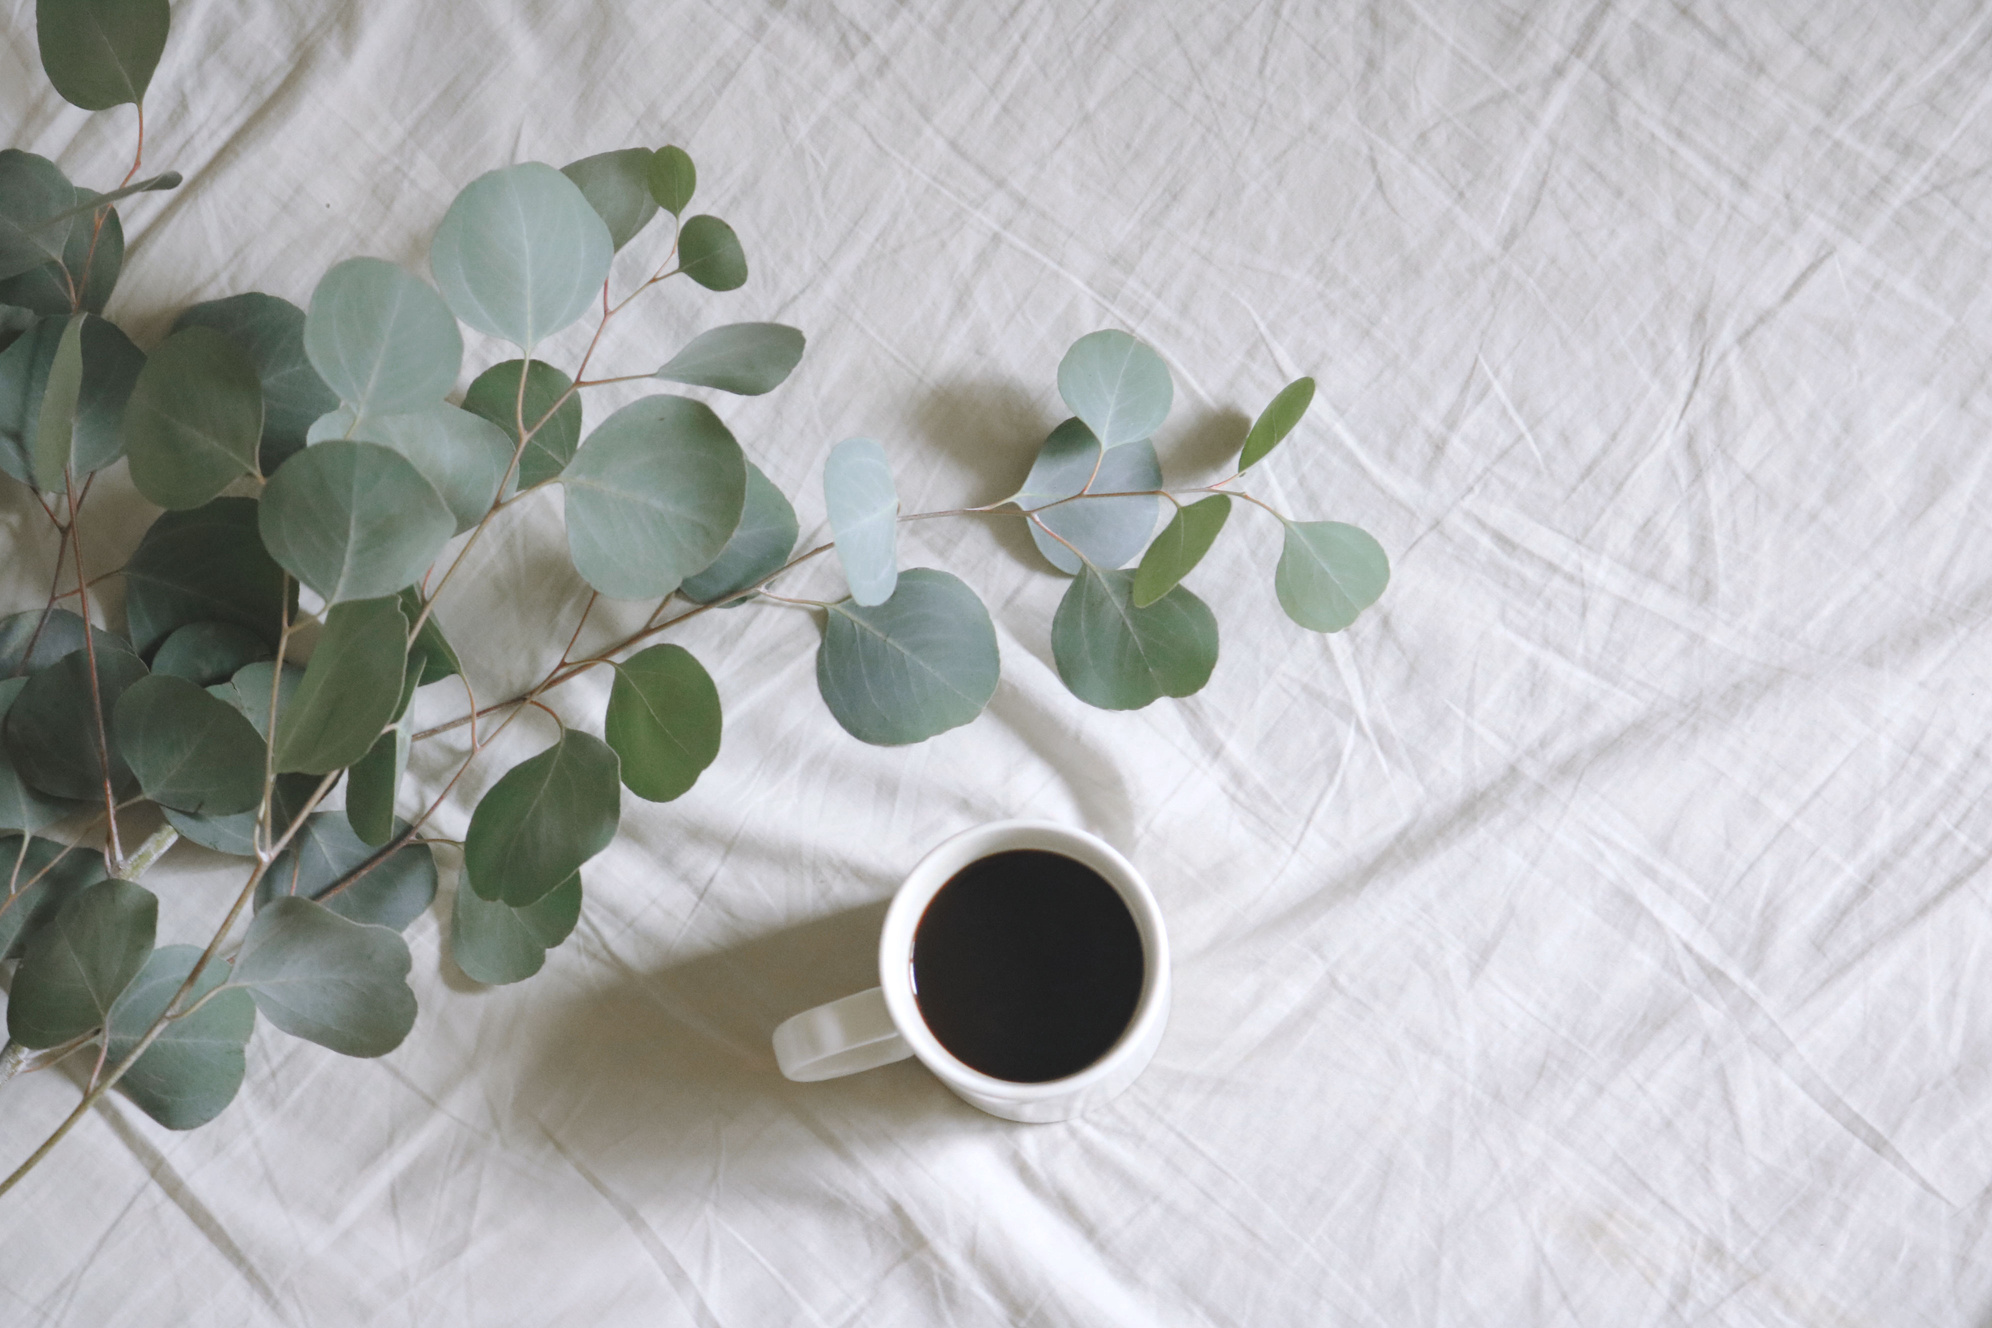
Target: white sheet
(1594,934)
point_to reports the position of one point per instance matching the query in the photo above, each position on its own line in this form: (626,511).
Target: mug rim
(937,868)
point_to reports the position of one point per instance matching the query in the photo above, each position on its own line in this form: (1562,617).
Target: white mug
(884,1024)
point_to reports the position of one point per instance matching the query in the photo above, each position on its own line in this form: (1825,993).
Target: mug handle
(843,1037)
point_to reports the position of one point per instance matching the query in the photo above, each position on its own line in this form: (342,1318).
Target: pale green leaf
(1328,573)
(864,517)
(520,254)
(382,340)
(921,663)
(329,864)
(322,977)
(542,820)
(1117,385)
(759,546)
(353,520)
(462,455)
(1106,531)
(1115,656)
(743,358)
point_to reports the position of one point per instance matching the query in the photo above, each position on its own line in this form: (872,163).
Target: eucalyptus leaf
(249,692)
(652,497)
(1276,421)
(429,650)
(187,749)
(923,662)
(350,689)
(194,1067)
(673,178)
(205,653)
(617,186)
(353,520)
(236,834)
(32,640)
(864,517)
(373,885)
(207,565)
(758,547)
(34,196)
(709,253)
(110,367)
(37,877)
(520,254)
(55,423)
(1106,531)
(194,418)
(380,339)
(101,53)
(744,358)
(1117,385)
(73,969)
(51,732)
(462,455)
(663,721)
(1328,573)
(371,785)
(1179,548)
(497,943)
(92,259)
(325,978)
(1115,656)
(24,370)
(271,331)
(542,820)
(495,396)
(87,201)
(22,806)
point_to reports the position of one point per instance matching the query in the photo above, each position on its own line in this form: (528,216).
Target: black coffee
(1027,965)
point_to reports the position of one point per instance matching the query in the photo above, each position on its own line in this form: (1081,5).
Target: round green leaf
(495,396)
(42,876)
(520,254)
(1180,547)
(1328,573)
(542,820)
(372,783)
(34,194)
(35,639)
(187,749)
(663,721)
(249,692)
(353,520)
(919,664)
(194,1067)
(1107,531)
(864,517)
(672,179)
(22,806)
(350,690)
(382,340)
(1118,657)
(652,497)
(207,565)
(194,418)
(1117,385)
(709,253)
(322,977)
(744,358)
(271,332)
(236,834)
(92,257)
(1276,421)
(464,456)
(373,886)
(760,544)
(51,729)
(205,653)
(101,53)
(497,943)
(617,186)
(73,969)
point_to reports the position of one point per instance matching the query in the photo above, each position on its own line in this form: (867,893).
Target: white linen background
(1594,934)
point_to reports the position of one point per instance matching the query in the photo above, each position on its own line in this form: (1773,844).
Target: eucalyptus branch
(113,851)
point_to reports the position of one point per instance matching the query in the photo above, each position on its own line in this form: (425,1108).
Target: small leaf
(249,692)
(73,969)
(35,639)
(318,976)
(194,1067)
(101,53)
(55,422)
(206,653)
(110,367)
(520,254)
(22,806)
(744,358)
(1180,547)
(663,721)
(652,497)
(1117,385)
(24,370)
(34,194)
(43,876)
(387,889)
(1328,573)
(1276,421)
(236,834)
(617,186)
(51,729)
(709,253)
(187,749)
(495,396)
(1107,531)
(271,332)
(542,820)
(921,663)
(92,257)
(429,650)
(350,688)
(760,544)
(371,785)
(88,201)
(672,179)
(353,520)
(194,418)
(207,565)
(463,455)
(382,340)
(864,517)
(497,943)
(1118,657)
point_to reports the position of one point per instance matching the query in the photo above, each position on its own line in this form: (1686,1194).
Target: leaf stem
(113,851)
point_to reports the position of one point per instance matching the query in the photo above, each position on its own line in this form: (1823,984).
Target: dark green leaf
(1118,657)
(1107,531)
(194,1067)
(663,721)
(249,692)
(271,331)
(35,882)
(101,53)
(429,650)
(520,254)
(51,729)
(188,749)
(1276,421)
(88,201)
(236,834)
(672,179)
(55,423)
(92,256)
(709,253)
(1328,573)
(350,688)
(652,497)
(760,544)
(194,418)
(921,663)
(382,340)
(617,186)
(73,969)
(371,784)
(110,368)
(353,520)
(34,195)
(24,369)
(542,820)
(864,516)
(495,396)
(744,358)
(205,653)
(373,886)
(318,976)
(497,943)
(22,807)
(204,566)
(1180,547)
(1117,385)
(31,641)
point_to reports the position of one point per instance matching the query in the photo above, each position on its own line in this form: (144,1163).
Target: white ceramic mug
(884,1024)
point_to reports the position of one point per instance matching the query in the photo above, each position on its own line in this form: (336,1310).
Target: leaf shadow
(1206,444)
(990,429)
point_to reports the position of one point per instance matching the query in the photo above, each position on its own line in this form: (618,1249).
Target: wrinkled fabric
(1594,933)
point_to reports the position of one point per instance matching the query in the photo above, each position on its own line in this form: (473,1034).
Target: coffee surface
(1027,965)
